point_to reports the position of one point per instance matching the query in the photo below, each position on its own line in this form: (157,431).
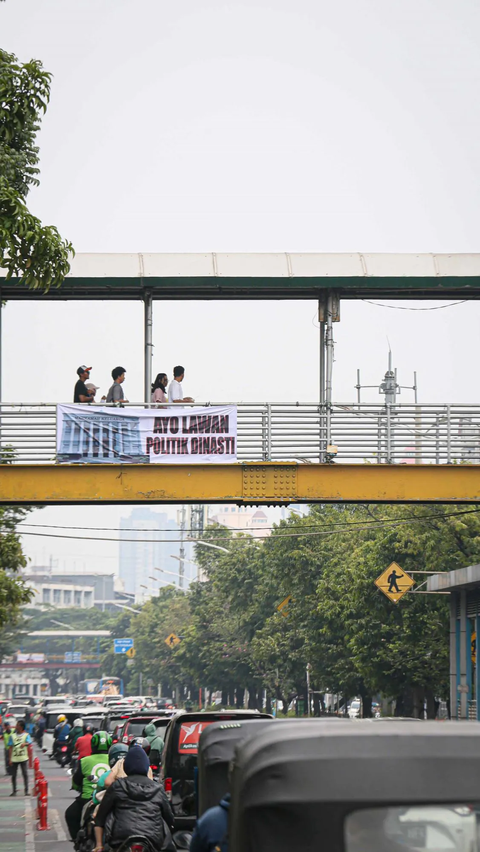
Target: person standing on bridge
(175,390)
(81,393)
(18,749)
(159,387)
(115,393)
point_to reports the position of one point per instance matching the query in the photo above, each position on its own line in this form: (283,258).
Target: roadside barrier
(42,808)
(36,771)
(30,755)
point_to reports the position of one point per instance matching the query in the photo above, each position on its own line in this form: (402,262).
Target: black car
(179,759)
(111,720)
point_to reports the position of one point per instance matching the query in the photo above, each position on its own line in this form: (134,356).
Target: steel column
(148,345)
(453,655)
(463,656)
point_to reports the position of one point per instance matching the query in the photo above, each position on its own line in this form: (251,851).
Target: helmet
(78,723)
(88,729)
(116,752)
(141,742)
(101,742)
(61,718)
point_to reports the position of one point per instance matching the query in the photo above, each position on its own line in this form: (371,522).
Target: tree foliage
(33,252)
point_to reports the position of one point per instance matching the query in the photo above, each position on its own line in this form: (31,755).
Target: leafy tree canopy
(33,252)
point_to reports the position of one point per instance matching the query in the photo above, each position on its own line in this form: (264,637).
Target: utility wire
(242,529)
(403,308)
(346,524)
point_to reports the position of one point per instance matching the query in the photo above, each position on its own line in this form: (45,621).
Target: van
(179,758)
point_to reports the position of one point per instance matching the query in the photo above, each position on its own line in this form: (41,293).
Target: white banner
(30,658)
(107,435)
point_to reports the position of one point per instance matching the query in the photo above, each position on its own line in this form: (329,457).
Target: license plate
(415,835)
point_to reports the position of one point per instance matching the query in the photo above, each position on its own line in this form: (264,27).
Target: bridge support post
(148,344)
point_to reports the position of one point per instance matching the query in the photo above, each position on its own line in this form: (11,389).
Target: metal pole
(308,688)
(329,351)
(322,392)
(181,563)
(359,388)
(322,364)
(148,325)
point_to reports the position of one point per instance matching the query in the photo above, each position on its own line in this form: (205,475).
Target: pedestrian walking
(175,390)
(159,387)
(18,749)
(115,393)
(41,725)
(81,393)
(7,732)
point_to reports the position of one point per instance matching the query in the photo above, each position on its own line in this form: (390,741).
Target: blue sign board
(73,657)
(121,646)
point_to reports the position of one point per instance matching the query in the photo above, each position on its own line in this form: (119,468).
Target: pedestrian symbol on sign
(392,581)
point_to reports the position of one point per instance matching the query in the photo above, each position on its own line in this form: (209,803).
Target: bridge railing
(277,431)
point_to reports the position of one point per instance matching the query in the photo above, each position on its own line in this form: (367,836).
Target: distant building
(64,590)
(240,518)
(141,552)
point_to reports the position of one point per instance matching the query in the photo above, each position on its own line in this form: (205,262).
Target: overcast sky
(270,126)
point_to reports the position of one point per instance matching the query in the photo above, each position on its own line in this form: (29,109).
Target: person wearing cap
(81,393)
(92,389)
(115,393)
(138,806)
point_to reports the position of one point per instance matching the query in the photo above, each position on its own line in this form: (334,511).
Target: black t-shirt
(80,390)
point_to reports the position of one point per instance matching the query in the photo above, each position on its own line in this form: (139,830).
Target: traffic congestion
(138,774)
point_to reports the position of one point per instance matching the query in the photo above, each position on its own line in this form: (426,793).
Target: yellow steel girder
(268,482)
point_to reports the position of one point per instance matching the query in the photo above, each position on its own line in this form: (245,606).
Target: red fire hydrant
(43,804)
(36,770)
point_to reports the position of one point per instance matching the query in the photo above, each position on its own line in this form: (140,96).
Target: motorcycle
(135,843)
(61,755)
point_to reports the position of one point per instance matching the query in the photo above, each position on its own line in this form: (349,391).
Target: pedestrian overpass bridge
(287,453)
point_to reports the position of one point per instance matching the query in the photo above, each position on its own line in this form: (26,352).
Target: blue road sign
(73,657)
(121,646)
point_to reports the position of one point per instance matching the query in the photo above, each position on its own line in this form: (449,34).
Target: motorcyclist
(88,770)
(74,735)
(60,733)
(83,746)
(118,770)
(156,744)
(139,807)
(116,752)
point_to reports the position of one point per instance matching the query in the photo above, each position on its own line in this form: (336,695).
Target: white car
(354,709)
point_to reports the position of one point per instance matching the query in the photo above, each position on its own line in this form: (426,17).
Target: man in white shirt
(175,391)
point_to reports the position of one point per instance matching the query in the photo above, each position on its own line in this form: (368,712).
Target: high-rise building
(141,552)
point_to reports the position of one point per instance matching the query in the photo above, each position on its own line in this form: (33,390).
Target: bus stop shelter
(463,585)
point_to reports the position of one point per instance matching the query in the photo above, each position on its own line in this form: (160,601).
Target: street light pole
(309,668)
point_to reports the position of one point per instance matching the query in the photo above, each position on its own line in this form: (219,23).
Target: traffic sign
(73,657)
(283,607)
(131,652)
(394,582)
(172,640)
(121,646)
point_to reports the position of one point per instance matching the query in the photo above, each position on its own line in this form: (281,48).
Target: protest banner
(108,435)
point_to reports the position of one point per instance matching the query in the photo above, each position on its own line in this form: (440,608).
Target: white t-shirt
(175,390)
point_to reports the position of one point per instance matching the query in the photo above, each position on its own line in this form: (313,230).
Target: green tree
(33,252)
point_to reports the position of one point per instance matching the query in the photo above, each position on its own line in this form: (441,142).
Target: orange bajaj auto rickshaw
(358,787)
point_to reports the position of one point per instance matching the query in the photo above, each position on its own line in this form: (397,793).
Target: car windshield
(450,828)
(135,729)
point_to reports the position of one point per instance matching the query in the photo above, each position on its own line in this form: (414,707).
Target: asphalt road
(18,823)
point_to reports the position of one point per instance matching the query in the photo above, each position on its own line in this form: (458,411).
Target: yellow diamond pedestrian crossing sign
(394,582)
(172,640)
